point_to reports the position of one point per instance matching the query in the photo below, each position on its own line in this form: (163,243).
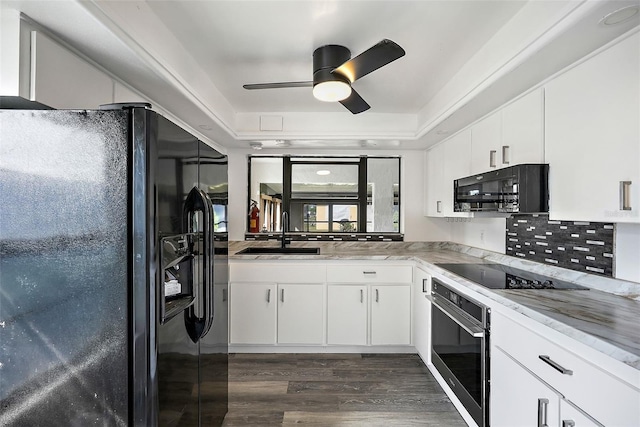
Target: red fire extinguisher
(254,218)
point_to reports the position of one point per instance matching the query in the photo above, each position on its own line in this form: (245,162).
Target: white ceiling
(464,58)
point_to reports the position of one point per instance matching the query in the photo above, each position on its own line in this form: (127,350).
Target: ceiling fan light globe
(332,91)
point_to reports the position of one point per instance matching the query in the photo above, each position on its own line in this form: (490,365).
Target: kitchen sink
(256,250)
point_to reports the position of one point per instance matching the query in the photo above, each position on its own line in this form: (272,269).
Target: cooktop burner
(498,276)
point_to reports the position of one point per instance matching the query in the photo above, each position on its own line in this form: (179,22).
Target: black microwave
(516,189)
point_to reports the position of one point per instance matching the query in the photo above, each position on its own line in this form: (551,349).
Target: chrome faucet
(284,225)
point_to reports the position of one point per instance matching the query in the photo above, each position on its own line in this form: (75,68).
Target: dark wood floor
(335,390)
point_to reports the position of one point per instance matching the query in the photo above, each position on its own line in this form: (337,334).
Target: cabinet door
(456,164)
(347,314)
(523,131)
(434,181)
(517,397)
(422,315)
(570,416)
(486,136)
(391,314)
(300,314)
(253,313)
(592,141)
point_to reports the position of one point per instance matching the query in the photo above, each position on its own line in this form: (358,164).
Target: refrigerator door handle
(198,201)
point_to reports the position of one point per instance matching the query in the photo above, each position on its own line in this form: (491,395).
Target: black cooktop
(498,276)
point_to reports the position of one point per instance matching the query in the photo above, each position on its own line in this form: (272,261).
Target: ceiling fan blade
(277,85)
(377,56)
(355,103)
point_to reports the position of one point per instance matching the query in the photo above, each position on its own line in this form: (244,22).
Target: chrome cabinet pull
(568,423)
(282,296)
(555,365)
(625,195)
(492,158)
(377,296)
(368,272)
(505,154)
(361,296)
(224,295)
(542,412)
(268,295)
(439,206)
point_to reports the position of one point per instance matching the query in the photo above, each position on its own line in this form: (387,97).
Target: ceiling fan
(334,71)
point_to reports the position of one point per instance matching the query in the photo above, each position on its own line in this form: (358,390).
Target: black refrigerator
(113,271)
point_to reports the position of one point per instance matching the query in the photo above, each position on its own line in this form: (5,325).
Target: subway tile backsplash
(577,245)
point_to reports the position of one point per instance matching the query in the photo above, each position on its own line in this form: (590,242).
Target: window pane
(327,181)
(266,191)
(345,218)
(383,195)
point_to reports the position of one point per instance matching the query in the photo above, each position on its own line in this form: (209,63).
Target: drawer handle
(368,272)
(555,365)
(542,412)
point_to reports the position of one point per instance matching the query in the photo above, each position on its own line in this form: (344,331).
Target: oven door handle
(473,329)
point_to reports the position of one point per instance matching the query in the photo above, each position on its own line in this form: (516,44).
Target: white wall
(485,233)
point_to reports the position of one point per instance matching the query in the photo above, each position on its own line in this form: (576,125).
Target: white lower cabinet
(422,315)
(519,399)
(252,311)
(586,386)
(347,314)
(269,313)
(391,315)
(300,314)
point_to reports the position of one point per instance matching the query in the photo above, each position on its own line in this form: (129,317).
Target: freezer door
(64,268)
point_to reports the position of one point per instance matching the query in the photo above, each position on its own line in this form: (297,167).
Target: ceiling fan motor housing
(326,59)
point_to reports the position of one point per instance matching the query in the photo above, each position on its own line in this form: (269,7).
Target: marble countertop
(604,318)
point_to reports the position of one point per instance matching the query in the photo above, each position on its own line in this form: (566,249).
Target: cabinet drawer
(606,398)
(369,273)
(280,272)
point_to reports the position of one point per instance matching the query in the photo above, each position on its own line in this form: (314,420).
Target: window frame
(361,201)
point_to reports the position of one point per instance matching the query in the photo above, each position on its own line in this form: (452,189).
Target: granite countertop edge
(611,289)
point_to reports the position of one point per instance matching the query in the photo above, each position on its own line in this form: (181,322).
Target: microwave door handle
(474,330)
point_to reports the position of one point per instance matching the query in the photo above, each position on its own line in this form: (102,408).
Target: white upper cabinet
(486,137)
(446,162)
(523,130)
(510,136)
(434,186)
(593,137)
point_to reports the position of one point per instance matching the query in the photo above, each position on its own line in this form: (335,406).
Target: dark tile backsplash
(582,246)
(328,237)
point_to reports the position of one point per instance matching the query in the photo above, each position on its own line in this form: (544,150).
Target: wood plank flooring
(335,390)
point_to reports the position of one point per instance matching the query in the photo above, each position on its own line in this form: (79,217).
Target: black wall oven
(460,348)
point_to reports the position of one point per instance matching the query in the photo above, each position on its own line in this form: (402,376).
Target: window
(327,194)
